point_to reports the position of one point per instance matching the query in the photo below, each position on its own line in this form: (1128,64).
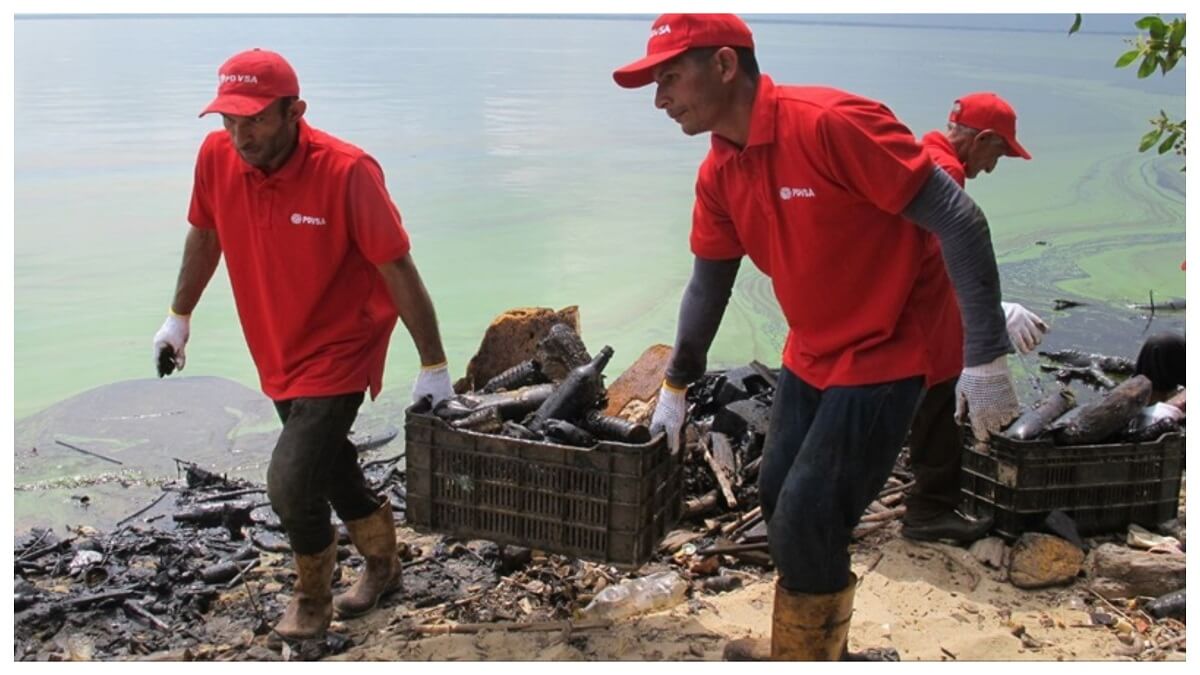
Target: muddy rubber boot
(311,609)
(375,539)
(747,649)
(811,627)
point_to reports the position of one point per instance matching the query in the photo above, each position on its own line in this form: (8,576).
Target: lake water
(526,177)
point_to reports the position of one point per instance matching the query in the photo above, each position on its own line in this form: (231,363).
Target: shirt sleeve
(873,154)
(713,234)
(200,212)
(375,225)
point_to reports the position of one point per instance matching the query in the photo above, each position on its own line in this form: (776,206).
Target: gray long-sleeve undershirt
(941,207)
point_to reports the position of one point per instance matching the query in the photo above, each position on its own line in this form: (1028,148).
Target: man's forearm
(700,312)
(944,209)
(415,308)
(201,254)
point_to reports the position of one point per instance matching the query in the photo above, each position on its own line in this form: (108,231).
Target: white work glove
(174,332)
(669,413)
(433,381)
(1025,328)
(985,394)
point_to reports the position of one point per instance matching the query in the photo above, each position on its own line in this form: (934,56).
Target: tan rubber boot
(810,627)
(311,609)
(375,538)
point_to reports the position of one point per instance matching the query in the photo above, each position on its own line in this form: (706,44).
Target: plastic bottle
(658,591)
(574,395)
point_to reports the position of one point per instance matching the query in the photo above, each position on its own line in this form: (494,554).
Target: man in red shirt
(982,128)
(320,268)
(833,199)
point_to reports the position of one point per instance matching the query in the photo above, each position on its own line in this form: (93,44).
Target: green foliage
(1161,48)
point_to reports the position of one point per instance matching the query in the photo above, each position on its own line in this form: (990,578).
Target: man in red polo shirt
(320,268)
(833,199)
(982,128)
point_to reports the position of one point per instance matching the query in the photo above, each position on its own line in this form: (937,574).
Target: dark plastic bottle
(575,395)
(526,372)
(568,434)
(615,428)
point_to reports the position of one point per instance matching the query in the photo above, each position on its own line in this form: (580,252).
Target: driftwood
(1089,374)
(890,514)
(1098,420)
(701,505)
(1073,357)
(97,455)
(720,459)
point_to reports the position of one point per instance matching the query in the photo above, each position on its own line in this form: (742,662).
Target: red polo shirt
(301,246)
(933,285)
(814,199)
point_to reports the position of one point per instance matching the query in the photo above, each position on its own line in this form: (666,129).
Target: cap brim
(641,72)
(1016,150)
(238,104)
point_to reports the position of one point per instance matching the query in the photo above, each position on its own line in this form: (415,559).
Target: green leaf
(1075,26)
(1148,65)
(1176,39)
(1127,58)
(1168,144)
(1150,23)
(1149,139)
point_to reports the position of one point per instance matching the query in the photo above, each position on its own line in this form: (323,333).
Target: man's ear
(727,63)
(297,109)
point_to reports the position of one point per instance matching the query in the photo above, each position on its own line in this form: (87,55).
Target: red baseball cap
(674,34)
(986,110)
(249,81)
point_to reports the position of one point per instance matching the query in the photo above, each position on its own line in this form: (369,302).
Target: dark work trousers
(314,466)
(827,455)
(935,451)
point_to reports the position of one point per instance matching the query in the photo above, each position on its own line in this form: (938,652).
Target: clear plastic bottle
(660,590)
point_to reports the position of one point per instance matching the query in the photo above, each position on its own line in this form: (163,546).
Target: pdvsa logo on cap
(234,78)
(301,219)
(661,30)
(786,193)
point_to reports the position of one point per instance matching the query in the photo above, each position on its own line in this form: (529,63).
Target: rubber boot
(311,609)
(811,627)
(375,539)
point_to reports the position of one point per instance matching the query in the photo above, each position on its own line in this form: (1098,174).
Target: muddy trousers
(313,467)
(935,450)
(827,455)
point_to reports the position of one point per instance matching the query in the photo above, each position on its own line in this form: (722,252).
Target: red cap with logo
(674,34)
(986,110)
(249,81)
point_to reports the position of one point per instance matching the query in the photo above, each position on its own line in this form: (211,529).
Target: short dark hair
(286,102)
(747,63)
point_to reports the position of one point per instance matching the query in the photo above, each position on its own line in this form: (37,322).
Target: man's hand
(1025,328)
(669,413)
(985,394)
(174,334)
(433,381)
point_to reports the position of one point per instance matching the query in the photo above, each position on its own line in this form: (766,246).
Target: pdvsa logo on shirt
(301,219)
(786,193)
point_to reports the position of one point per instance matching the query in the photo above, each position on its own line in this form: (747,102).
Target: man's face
(262,140)
(986,149)
(689,90)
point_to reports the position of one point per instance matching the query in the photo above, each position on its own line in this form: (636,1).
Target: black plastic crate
(613,502)
(1102,487)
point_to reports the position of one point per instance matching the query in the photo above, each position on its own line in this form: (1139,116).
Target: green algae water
(526,177)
